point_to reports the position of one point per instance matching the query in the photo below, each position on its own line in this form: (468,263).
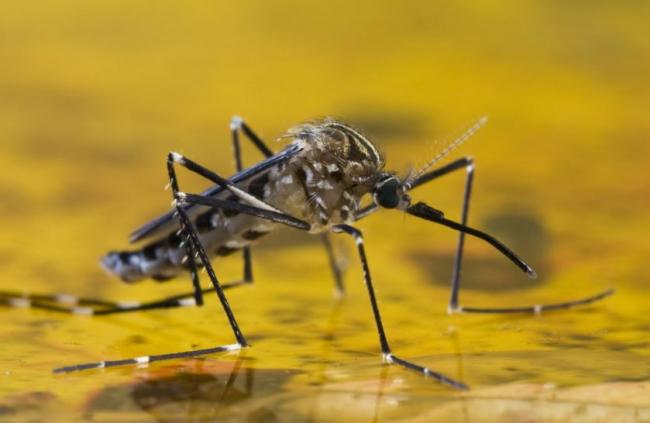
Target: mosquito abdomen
(159,261)
(165,258)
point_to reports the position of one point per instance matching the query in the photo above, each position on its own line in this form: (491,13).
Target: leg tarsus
(193,244)
(147,359)
(538,308)
(70,304)
(383,340)
(425,371)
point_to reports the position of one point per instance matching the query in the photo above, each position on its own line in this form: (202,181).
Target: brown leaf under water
(524,402)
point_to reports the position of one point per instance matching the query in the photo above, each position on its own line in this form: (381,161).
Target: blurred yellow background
(94,94)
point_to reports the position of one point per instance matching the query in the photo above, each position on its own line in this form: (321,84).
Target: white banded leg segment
(187,302)
(129,304)
(235,123)
(387,355)
(182,300)
(426,372)
(454,304)
(142,360)
(539,308)
(148,359)
(19,302)
(70,304)
(54,302)
(67,299)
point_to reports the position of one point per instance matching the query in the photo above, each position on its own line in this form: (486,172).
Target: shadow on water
(203,389)
(522,231)
(214,390)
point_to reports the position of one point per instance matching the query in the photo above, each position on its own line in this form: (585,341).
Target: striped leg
(71,304)
(191,237)
(193,243)
(146,359)
(388,356)
(454,306)
(65,303)
(86,306)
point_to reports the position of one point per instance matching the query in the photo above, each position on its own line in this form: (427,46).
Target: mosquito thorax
(325,183)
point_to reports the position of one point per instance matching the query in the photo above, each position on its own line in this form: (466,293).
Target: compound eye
(386,195)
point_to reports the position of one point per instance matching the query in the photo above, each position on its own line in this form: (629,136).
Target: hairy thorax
(325,182)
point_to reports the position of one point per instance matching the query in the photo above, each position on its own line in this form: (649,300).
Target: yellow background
(94,94)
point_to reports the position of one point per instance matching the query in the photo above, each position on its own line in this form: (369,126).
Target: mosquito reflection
(199,392)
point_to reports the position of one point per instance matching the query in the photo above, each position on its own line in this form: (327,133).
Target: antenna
(448,149)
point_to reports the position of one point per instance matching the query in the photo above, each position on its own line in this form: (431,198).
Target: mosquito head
(390,193)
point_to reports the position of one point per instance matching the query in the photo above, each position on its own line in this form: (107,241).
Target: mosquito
(327,178)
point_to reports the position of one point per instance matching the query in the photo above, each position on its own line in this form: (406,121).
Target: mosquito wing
(167,222)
